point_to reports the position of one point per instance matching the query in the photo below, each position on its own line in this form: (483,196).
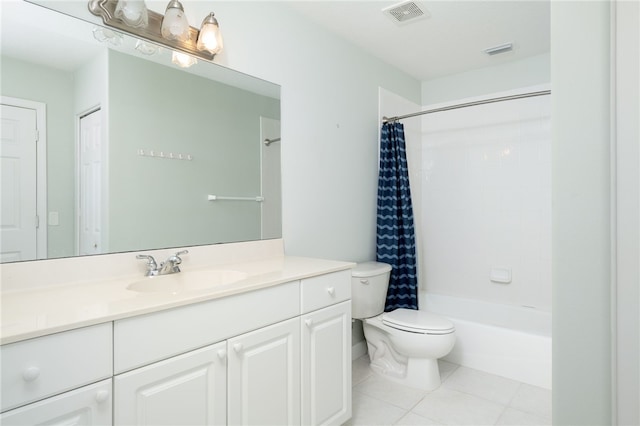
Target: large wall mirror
(131,146)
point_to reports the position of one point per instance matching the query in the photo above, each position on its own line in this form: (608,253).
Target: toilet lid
(370,269)
(417,321)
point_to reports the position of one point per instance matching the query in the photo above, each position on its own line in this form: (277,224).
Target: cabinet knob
(222,354)
(102,396)
(237,347)
(30,374)
(331,291)
(364,281)
(308,322)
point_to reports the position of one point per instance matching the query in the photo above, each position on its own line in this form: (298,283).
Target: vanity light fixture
(175,25)
(171,30)
(210,38)
(133,13)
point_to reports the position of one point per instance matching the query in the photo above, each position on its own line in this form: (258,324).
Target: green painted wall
(157,202)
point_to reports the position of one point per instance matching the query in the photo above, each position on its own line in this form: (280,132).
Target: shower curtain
(395,239)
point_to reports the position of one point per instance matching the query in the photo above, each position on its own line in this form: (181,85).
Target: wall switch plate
(54,219)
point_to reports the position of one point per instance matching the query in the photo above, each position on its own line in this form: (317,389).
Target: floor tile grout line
(504,410)
(416,414)
(478,396)
(515,394)
(450,374)
(391,403)
(525,410)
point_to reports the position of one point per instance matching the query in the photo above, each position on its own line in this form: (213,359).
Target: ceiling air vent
(405,12)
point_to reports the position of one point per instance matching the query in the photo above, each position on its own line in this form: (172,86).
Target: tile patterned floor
(466,397)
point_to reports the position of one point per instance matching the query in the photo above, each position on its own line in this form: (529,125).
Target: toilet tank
(369,283)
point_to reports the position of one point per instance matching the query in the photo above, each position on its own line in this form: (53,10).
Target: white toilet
(404,345)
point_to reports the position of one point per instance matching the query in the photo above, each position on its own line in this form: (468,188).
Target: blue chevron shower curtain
(395,240)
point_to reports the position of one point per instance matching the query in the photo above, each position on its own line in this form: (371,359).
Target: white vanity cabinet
(264,376)
(326,349)
(248,371)
(87,406)
(59,378)
(188,389)
(273,355)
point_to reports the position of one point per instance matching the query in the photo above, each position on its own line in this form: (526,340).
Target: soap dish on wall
(500,275)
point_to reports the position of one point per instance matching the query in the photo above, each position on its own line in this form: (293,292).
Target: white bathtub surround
(510,341)
(486,201)
(466,396)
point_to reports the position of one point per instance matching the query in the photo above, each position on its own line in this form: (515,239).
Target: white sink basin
(186,281)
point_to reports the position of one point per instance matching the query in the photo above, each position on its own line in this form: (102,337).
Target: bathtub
(509,341)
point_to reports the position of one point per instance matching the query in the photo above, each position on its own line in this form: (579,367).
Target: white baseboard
(358,349)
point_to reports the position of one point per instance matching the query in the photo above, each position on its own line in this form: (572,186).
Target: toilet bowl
(404,345)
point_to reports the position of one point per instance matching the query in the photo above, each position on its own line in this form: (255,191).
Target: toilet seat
(416,321)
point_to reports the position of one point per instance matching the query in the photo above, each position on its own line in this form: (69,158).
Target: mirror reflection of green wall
(217,125)
(150,202)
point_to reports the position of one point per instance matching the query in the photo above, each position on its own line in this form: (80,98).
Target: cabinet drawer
(149,338)
(325,290)
(41,367)
(89,406)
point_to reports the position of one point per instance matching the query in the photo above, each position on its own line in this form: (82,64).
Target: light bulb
(210,38)
(174,24)
(133,13)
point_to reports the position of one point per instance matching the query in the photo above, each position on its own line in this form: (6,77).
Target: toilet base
(423,374)
(418,373)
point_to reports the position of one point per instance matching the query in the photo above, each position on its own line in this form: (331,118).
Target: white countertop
(39,311)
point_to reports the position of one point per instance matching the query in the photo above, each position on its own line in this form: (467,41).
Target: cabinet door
(89,405)
(188,389)
(326,365)
(264,376)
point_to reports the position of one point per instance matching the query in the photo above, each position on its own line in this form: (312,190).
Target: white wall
(581,213)
(627,212)
(514,75)
(329,122)
(486,185)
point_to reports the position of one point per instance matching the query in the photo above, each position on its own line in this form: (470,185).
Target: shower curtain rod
(468,104)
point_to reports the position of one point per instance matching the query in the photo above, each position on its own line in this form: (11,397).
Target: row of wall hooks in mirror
(171,29)
(164,155)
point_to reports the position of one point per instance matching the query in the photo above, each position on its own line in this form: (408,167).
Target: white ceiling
(450,41)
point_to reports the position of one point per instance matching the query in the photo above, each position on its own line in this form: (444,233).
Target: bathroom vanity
(270,345)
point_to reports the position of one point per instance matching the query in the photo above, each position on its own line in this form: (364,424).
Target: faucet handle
(176,257)
(170,266)
(151,262)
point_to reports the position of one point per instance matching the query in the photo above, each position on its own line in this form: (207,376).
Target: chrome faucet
(169,266)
